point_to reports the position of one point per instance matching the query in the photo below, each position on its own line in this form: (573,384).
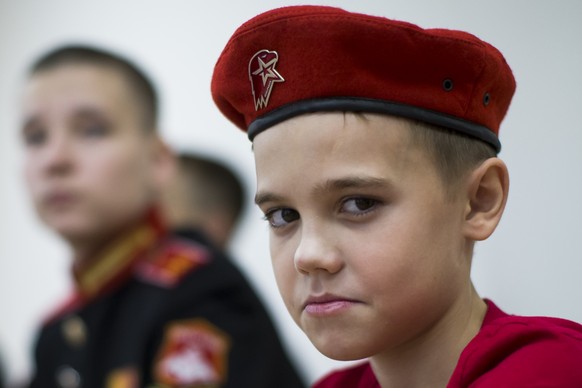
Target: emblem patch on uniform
(263,76)
(193,353)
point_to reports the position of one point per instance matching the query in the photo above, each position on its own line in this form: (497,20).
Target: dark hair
(214,185)
(142,86)
(454,154)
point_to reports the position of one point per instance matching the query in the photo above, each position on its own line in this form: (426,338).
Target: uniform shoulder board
(171,261)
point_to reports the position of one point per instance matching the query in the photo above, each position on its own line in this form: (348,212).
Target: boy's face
(367,251)
(88,161)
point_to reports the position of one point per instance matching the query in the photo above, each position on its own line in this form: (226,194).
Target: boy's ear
(488,186)
(164,163)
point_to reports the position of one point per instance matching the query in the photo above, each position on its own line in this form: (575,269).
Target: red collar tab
(114,264)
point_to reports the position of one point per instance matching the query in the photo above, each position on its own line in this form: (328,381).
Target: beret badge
(263,75)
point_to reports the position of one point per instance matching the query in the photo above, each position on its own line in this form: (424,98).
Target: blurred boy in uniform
(375,144)
(149,308)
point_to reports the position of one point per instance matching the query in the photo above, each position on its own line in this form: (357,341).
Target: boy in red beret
(375,144)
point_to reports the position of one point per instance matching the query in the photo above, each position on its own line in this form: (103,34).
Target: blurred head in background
(93,161)
(204,194)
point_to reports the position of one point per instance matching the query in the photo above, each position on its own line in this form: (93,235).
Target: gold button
(74,331)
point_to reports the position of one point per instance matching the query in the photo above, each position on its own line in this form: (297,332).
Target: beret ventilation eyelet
(448,85)
(486,99)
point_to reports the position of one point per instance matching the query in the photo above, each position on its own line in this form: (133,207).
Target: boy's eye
(281,217)
(34,132)
(358,206)
(34,137)
(93,130)
(91,123)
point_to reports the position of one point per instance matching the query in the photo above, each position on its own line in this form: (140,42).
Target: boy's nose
(317,251)
(57,157)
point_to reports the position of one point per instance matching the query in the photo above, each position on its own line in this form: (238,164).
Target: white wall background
(532,264)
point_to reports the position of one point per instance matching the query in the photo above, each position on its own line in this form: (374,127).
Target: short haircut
(214,185)
(142,86)
(454,154)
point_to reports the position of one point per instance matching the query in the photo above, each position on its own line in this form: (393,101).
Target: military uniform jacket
(160,310)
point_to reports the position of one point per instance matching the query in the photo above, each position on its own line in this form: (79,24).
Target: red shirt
(509,351)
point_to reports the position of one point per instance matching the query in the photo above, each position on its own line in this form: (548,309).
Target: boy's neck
(86,248)
(430,360)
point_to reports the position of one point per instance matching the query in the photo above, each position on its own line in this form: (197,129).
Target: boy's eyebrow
(91,113)
(262,197)
(351,182)
(82,112)
(330,185)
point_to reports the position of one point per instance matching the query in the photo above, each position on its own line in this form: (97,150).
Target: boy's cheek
(286,279)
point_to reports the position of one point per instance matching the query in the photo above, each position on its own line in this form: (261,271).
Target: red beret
(303,59)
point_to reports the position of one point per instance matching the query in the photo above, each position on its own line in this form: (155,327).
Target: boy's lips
(60,198)
(327,304)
